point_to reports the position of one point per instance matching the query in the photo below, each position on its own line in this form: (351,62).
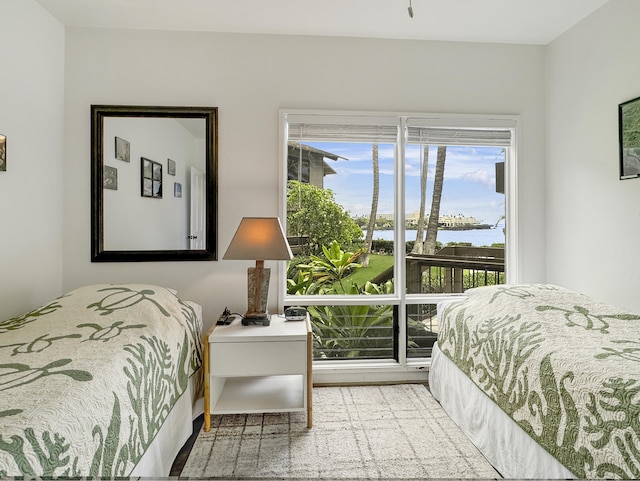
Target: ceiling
(503,21)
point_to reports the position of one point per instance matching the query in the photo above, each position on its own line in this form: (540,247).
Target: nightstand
(258,369)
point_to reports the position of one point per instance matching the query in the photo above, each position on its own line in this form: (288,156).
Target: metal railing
(422,329)
(452,269)
(354,332)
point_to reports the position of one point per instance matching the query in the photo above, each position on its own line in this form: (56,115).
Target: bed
(544,381)
(100,382)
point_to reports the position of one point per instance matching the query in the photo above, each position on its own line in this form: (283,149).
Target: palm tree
(364,259)
(432,227)
(418,244)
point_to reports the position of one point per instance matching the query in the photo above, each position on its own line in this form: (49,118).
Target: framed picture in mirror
(123,150)
(110,178)
(3,153)
(629,133)
(151,176)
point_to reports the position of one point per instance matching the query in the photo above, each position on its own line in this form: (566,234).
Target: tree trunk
(418,244)
(432,227)
(364,259)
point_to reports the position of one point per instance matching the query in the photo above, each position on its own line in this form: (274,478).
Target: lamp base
(257,291)
(257,319)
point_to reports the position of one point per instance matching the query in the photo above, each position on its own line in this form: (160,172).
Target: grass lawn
(377,264)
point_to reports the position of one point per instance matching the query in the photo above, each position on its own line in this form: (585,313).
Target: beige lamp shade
(259,238)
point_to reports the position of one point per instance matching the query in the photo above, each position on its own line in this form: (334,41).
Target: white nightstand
(257,369)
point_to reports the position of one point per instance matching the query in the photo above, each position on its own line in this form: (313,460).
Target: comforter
(87,380)
(564,367)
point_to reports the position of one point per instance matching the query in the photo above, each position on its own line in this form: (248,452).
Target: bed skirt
(175,431)
(514,455)
(177,428)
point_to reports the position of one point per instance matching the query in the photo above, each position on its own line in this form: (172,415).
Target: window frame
(404,368)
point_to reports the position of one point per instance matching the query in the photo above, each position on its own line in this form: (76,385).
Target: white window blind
(459,136)
(385,129)
(343,128)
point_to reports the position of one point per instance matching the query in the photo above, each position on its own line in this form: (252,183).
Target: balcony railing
(454,269)
(370,332)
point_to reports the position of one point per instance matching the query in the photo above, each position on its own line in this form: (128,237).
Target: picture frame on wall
(123,150)
(151,178)
(629,138)
(3,153)
(171,167)
(177,189)
(110,178)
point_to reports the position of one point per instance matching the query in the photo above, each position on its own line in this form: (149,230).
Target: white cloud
(481,176)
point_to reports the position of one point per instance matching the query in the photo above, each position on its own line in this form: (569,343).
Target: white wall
(593,218)
(31,116)
(249,77)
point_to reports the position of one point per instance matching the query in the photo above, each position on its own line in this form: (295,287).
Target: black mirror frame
(98,114)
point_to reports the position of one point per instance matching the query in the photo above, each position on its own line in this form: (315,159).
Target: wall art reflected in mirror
(134,221)
(629,138)
(3,153)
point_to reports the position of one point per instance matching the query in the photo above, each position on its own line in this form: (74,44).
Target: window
(387,215)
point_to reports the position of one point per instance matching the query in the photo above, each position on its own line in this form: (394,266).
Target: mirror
(153,183)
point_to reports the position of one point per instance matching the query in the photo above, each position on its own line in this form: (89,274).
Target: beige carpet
(363,432)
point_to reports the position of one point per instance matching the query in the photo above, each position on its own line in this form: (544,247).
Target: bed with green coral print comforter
(563,367)
(88,380)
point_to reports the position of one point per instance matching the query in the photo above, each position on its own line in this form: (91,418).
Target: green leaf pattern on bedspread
(563,366)
(125,352)
(19,322)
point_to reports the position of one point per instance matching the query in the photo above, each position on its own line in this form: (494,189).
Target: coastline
(476,237)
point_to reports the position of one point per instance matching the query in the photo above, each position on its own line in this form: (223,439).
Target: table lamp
(259,239)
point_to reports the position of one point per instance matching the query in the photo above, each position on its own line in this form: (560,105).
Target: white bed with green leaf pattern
(545,381)
(99,382)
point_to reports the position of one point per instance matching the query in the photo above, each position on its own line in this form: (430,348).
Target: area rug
(359,432)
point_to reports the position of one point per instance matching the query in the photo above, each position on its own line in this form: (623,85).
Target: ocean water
(477,237)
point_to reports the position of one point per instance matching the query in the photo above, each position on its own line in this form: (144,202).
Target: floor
(183,455)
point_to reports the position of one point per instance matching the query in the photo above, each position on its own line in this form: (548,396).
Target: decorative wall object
(3,153)
(151,176)
(629,132)
(177,189)
(110,178)
(171,167)
(205,141)
(123,150)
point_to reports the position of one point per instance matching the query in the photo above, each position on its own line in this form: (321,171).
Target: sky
(469,182)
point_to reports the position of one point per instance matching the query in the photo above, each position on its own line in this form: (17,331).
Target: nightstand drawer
(258,358)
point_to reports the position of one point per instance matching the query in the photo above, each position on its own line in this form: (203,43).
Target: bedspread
(87,380)
(564,367)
